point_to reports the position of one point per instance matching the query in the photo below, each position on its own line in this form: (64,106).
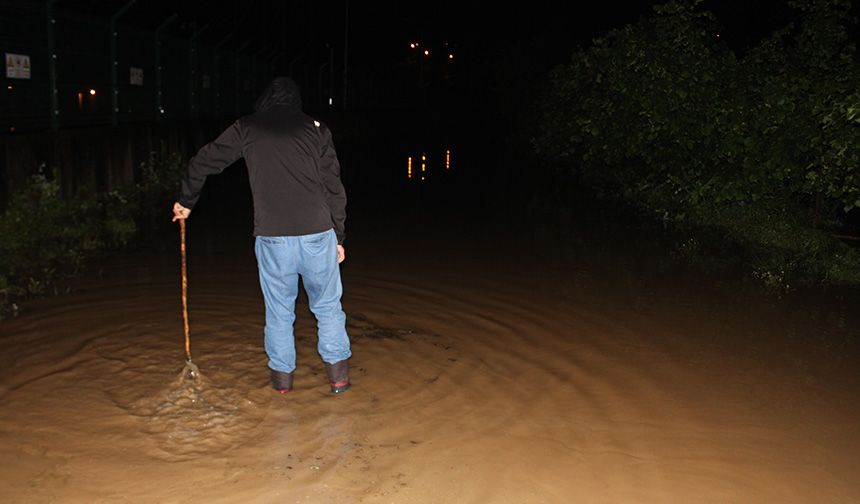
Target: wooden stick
(184,289)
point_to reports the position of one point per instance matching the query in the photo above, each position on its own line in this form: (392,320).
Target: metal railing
(64,69)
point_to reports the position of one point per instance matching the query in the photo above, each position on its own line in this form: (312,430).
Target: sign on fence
(17,66)
(136,76)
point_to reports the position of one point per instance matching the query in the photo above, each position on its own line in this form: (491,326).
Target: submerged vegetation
(759,150)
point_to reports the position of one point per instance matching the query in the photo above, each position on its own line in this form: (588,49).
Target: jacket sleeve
(335,194)
(211,159)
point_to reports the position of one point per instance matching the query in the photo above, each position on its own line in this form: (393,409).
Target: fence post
(321,93)
(270,64)
(115,63)
(238,91)
(255,70)
(52,66)
(218,73)
(345,52)
(159,111)
(330,100)
(192,60)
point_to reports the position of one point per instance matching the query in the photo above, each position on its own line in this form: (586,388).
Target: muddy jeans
(281,259)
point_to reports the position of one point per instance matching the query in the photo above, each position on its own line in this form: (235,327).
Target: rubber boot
(338,376)
(281,381)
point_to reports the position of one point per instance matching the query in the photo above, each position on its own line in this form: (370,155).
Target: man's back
(293,172)
(292,165)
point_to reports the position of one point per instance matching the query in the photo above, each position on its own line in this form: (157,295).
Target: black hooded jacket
(292,166)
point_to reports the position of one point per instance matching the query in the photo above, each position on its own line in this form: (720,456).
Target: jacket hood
(281,91)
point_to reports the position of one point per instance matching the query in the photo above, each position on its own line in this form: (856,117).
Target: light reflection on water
(429,164)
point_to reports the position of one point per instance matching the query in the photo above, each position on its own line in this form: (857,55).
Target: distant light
(423,177)
(423,164)
(9,87)
(426,52)
(718,35)
(413,45)
(92,92)
(12,129)
(447,159)
(161,110)
(409,167)
(450,56)
(330,102)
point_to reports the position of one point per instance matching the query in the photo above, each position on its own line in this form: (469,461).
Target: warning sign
(136,76)
(17,66)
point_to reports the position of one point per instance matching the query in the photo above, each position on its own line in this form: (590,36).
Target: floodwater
(489,366)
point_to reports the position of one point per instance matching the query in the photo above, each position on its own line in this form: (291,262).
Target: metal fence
(64,69)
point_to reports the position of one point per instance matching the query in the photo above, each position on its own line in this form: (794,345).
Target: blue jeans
(281,259)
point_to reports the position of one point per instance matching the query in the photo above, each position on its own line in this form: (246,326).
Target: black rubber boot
(281,381)
(338,376)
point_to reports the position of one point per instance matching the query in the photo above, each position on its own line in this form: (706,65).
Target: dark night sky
(379,30)
(508,47)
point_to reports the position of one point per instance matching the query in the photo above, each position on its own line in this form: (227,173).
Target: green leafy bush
(45,239)
(160,176)
(662,115)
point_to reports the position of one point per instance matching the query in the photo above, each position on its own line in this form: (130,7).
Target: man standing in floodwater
(299,216)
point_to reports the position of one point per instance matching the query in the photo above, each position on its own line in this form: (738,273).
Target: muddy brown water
(484,371)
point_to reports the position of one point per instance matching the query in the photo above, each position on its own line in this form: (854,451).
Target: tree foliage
(46,238)
(663,114)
